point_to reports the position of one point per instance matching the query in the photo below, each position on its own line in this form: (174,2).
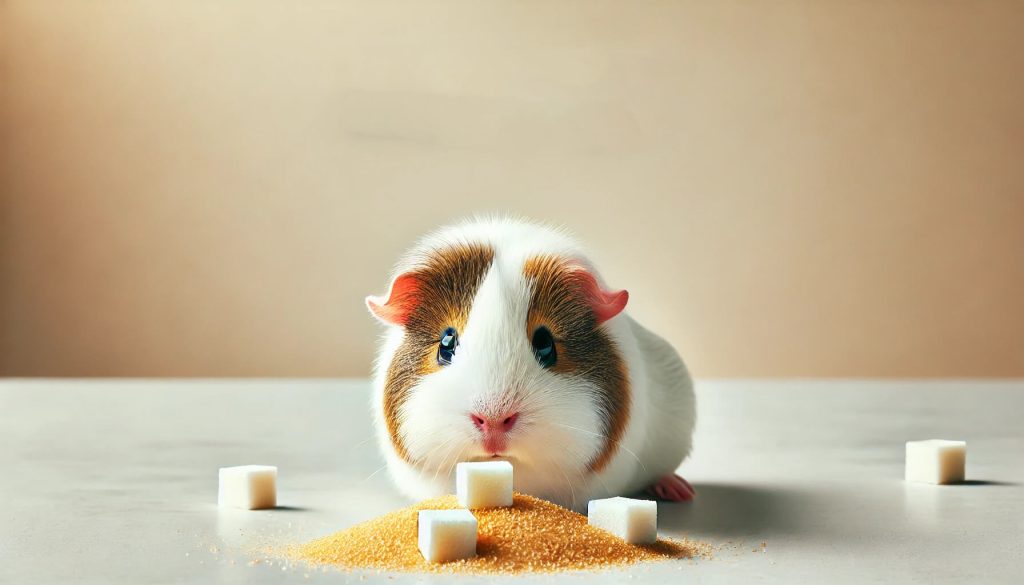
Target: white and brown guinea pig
(504,343)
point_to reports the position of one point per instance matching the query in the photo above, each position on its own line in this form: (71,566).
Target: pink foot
(673,488)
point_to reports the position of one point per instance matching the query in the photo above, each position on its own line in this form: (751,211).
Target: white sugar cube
(447,535)
(485,484)
(635,521)
(936,461)
(250,487)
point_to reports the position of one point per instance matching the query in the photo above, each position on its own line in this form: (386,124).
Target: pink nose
(494,430)
(497,424)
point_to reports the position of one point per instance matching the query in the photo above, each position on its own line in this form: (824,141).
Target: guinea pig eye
(446,346)
(544,347)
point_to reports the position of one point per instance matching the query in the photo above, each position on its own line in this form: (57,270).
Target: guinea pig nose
(494,424)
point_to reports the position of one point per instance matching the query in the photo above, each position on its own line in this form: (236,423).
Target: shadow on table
(722,510)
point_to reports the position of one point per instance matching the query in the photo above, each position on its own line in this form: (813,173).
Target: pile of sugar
(532,536)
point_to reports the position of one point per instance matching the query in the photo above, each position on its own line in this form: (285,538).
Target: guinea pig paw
(672,488)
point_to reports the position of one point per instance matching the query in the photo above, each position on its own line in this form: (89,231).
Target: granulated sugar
(533,535)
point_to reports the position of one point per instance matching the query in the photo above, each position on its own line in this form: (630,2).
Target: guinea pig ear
(605,303)
(399,303)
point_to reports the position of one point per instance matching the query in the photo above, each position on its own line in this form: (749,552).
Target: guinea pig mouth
(494,457)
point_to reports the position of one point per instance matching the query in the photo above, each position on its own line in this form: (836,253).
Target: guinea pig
(503,342)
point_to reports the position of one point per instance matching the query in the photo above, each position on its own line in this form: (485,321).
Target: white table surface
(116,482)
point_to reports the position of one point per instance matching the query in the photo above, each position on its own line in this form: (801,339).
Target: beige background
(786,188)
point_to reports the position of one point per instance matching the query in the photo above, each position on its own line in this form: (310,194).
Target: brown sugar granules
(532,535)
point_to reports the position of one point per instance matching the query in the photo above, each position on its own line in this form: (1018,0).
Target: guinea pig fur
(504,342)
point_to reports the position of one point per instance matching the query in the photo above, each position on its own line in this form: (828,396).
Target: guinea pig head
(503,358)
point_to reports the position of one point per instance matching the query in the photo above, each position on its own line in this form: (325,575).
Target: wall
(786,188)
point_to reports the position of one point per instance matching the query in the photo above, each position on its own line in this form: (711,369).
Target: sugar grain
(531,536)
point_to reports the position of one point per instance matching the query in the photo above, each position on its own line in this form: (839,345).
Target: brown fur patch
(447,283)
(583,348)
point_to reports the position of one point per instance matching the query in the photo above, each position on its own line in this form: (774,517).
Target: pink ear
(605,304)
(400,301)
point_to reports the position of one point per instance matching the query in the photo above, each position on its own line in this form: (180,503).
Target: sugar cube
(447,535)
(635,521)
(485,484)
(936,461)
(250,487)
